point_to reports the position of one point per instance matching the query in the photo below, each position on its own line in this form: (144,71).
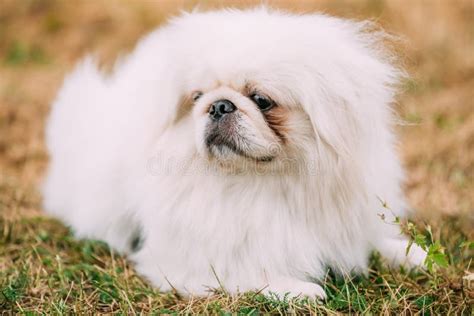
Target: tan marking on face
(184,107)
(247,89)
(277,118)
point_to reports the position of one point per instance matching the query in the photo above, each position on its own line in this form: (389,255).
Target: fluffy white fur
(128,154)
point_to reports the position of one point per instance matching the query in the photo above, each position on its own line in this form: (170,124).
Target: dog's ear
(334,126)
(347,93)
(353,86)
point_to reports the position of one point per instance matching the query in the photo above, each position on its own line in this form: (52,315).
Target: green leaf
(440,259)
(420,240)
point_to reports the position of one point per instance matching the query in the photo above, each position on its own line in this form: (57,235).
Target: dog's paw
(294,288)
(395,251)
(416,257)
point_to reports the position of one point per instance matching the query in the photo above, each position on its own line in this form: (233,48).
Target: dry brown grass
(41,40)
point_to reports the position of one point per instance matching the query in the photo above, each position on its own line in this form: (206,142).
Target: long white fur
(122,163)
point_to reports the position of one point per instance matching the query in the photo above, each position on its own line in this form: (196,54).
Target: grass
(43,269)
(51,272)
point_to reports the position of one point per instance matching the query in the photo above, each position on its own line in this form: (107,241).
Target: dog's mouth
(223,148)
(224,141)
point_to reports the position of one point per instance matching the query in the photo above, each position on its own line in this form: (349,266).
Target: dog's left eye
(196,95)
(263,102)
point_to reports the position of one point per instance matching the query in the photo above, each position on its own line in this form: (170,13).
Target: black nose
(220,108)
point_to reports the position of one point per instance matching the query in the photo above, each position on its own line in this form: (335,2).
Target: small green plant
(435,252)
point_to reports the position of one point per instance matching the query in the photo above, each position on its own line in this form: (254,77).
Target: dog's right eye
(264,103)
(196,95)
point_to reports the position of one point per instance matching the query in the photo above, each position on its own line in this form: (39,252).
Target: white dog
(244,149)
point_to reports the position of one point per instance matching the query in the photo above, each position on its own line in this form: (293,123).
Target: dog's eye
(196,95)
(263,103)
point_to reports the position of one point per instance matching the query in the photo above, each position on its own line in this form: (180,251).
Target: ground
(43,269)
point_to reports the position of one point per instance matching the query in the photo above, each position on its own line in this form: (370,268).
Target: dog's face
(246,124)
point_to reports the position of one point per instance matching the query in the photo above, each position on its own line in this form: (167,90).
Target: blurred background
(40,40)
(44,269)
